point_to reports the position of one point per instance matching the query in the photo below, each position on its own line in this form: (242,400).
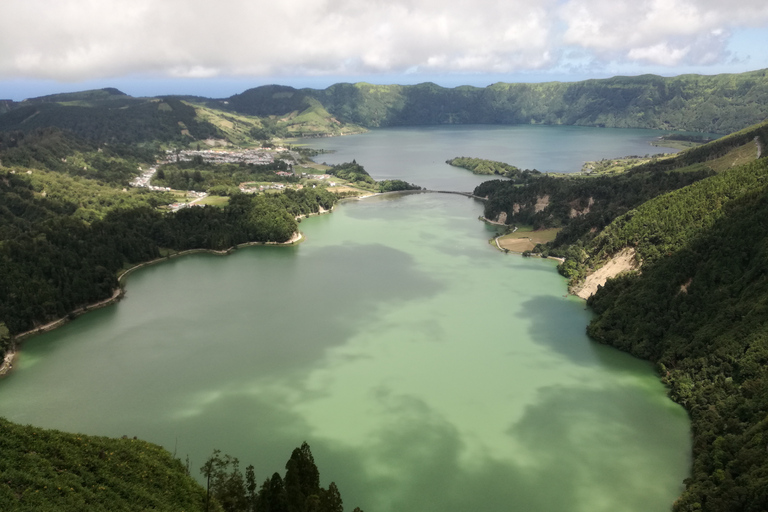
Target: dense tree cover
(354,173)
(50,471)
(44,470)
(491,167)
(220,179)
(359,177)
(715,104)
(60,151)
(583,206)
(482,166)
(130,121)
(396,186)
(665,224)
(52,263)
(700,312)
(298,491)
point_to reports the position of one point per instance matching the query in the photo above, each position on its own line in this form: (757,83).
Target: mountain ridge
(699,103)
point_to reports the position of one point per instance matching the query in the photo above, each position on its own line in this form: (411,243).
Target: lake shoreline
(6,367)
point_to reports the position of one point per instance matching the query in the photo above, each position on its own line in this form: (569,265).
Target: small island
(493,168)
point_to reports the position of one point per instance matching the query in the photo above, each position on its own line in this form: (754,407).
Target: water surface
(427,371)
(418,154)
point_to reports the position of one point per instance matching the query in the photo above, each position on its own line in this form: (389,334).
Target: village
(246,156)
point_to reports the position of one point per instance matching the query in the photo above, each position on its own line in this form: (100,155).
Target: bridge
(466,194)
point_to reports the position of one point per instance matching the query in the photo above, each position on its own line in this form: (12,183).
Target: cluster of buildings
(251,188)
(143,181)
(144,178)
(248,156)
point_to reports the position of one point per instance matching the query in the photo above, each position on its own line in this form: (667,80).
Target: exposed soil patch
(621,262)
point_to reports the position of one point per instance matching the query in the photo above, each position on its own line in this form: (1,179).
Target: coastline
(6,367)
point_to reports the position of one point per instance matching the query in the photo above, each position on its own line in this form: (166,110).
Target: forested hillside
(712,104)
(50,471)
(112,118)
(699,310)
(716,104)
(298,491)
(584,205)
(64,237)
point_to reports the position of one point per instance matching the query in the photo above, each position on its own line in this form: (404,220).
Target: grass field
(617,165)
(347,189)
(525,239)
(214,201)
(739,156)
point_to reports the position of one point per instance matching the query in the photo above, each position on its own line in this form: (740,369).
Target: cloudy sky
(218,48)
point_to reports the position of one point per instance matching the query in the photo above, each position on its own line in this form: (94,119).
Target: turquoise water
(428,371)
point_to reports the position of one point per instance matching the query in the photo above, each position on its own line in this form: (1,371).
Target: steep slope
(692,297)
(717,104)
(665,224)
(47,470)
(584,205)
(699,310)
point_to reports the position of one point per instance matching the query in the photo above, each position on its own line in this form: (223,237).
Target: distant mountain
(712,104)
(716,104)
(92,98)
(111,116)
(108,115)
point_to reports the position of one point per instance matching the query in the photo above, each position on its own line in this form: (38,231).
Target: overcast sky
(218,48)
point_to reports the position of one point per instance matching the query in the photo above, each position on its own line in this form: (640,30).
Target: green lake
(427,370)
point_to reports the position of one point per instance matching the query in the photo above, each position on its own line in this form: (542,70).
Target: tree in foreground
(298,491)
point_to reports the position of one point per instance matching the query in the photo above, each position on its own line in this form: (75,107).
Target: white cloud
(659,54)
(663,32)
(83,38)
(86,39)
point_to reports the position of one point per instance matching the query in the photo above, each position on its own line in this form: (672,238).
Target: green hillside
(110,116)
(123,120)
(716,104)
(697,307)
(699,310)
(47,470)
(712,104)
(584,205)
